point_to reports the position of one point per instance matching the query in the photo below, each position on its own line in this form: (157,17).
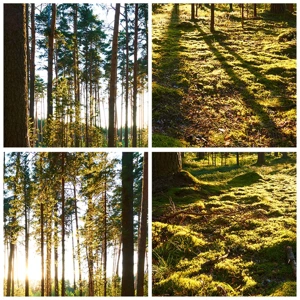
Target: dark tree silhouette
(15,76)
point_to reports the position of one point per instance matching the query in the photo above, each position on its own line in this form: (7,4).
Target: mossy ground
(226,234)
(235,87)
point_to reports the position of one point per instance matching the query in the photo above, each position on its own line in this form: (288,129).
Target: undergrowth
(227,234)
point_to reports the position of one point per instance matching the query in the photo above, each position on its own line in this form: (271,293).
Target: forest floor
(235,87)
(223,231)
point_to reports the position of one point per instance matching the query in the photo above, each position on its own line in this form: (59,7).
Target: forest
(224,224)
(224,75)
(75,75)
(75,224)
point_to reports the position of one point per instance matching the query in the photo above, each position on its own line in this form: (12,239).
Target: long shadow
(248,97)
(166,96)
(256,72)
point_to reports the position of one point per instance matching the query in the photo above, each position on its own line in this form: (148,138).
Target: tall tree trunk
(42,251)
(26,215)
(10,282)
(127,76)
(50,62)
(127,224)
(15,83)
(78,242)
(32,64)
(135,78)
(63,287)
(76,80)
(73,256)
(143,230)
(56,288)
(254,10)
(49,252)
(113,80)
(237,158)
(105,236)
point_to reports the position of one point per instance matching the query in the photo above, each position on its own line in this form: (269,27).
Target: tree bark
(261,158)
(32,64)
(50,62)
(212,18)
(165,164)
(127,77)
(63,287)
(278,8)
(143,230)
(15,76)
(42,251)
(76,79)
(127,224)
(135,78)
(78,242)
(113,80)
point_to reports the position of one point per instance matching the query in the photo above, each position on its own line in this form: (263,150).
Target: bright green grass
(247,214)
(235,87)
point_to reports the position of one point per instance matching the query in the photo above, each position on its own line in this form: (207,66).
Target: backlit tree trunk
(113,81)
(127,224)
(50,62)
(143,230)
(135,78)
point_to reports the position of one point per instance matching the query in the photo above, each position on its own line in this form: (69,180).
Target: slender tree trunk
(135,78)
(254,10)
(78,243)
(143,230)
(192,12)
(212,18)
(105,238)
(32,64)
(26,215)
(10,282)
(56,288)
(76,80)
(42,251)
(127,224)
(73,255)
(63,287)
(127,77)
(50,63)
(49,252)
(15,83)
(113,80)
(242,14)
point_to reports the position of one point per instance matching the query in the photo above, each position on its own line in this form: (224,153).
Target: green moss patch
(221,239)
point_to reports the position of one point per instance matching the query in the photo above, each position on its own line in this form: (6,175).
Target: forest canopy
(83,75)
(73,221)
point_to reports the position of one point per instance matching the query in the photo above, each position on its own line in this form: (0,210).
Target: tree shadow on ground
(249,99)
(166,95)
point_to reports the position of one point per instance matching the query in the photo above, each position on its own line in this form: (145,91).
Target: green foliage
(229,240)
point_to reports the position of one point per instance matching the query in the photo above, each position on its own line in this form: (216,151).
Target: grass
(226,234)
(201,80)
